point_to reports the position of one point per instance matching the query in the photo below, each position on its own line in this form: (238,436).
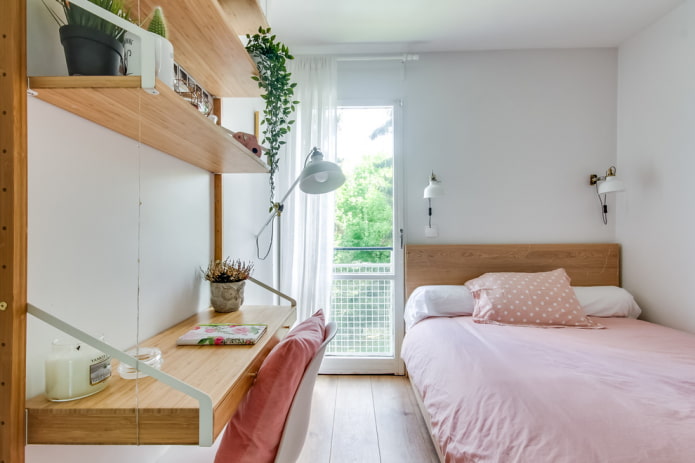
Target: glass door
(366,296)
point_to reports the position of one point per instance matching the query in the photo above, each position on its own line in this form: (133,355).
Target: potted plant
(163,49)
(227,280)
(271,56)
(93,46)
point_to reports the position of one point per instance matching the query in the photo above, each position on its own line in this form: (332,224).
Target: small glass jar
(148,355)
(75,370)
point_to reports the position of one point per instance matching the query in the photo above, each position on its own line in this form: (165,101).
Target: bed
(489,392)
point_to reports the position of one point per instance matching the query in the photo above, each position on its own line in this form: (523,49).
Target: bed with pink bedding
(623,394)
(494,387)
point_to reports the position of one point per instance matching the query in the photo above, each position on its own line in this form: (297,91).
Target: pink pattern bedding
(500,394)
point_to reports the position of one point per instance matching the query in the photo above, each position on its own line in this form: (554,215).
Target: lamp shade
(612,184)
(320,176)
(434,189)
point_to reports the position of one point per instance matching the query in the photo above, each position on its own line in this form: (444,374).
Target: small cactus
(157,24)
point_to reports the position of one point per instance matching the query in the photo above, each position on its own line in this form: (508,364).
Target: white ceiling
(395,26)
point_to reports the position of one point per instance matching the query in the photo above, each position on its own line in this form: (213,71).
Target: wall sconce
(609,183)
(433,190)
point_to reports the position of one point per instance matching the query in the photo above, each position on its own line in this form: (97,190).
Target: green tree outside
(364,214)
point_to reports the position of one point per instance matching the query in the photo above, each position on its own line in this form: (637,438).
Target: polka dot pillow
(527,299)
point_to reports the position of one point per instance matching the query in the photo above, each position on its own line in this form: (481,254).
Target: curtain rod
(404,57)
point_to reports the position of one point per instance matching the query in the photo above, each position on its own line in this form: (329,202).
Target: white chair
(297,422)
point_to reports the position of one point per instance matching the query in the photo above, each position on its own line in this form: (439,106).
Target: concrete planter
(227,297)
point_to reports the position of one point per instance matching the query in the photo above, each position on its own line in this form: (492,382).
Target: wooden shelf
(206,42)
(155,413)
(165,121)
(245,16)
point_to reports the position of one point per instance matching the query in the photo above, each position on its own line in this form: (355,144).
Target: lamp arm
(279,207)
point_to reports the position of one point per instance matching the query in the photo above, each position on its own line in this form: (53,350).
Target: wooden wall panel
(13,229)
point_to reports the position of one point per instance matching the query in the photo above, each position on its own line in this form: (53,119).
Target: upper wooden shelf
(205,35)
(155,413)
(165,121)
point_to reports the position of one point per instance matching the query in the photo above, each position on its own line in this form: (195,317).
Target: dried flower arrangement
(227,271)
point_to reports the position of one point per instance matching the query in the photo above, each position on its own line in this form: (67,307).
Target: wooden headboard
(454,264)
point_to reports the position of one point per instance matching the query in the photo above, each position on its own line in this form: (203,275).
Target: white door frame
(383,365)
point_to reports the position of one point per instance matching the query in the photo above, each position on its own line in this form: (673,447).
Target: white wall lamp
(317,177)
(608,183)
(433,190)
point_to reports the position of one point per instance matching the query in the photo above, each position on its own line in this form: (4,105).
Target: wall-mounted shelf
(206,41)
(164,121)
(155,413)
(245,16)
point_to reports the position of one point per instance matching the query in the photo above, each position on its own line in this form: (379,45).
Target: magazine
(219,334)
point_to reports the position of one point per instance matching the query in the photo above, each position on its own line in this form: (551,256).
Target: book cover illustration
(222,334)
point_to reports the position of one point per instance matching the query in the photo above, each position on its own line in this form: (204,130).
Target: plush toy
(249,141)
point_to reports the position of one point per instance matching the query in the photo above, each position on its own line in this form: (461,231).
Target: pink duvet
(500,394)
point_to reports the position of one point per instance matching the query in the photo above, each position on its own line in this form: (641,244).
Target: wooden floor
(366,419)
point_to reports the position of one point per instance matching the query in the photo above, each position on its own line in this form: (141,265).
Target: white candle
(75,370)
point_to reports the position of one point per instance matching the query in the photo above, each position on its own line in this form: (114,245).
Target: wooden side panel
(13,228)
(219,216)
(586,264)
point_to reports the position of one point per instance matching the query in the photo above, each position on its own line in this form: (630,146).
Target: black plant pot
(89,52)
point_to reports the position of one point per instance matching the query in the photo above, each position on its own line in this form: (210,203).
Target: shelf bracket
(147,79)
(293,302)
(205,417)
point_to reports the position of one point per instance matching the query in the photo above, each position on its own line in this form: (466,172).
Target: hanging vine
(273,78)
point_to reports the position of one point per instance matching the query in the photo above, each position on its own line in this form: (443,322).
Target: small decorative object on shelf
(75,370)
(93,46)
(227,280)
(271,56)
(189,89)
(148,355)
(249,141)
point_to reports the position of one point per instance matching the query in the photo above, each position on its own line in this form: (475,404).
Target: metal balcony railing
(362,308)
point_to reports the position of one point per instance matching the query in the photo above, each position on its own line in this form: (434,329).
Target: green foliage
(76,16)
(273,78)
(157,23)
(365,212)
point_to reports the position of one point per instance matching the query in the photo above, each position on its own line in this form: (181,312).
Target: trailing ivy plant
(274,79)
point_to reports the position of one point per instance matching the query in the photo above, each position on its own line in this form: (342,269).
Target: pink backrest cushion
(529,299)
(253,433)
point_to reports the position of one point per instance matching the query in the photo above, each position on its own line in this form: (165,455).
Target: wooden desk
(145,411)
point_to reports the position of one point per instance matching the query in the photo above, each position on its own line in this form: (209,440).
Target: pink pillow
(538,299)
(253,433)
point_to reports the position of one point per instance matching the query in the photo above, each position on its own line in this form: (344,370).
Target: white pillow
(438,301)
(607,301)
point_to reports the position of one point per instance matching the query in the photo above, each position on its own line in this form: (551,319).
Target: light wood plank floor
(366,419)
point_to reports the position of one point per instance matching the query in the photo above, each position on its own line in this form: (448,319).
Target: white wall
(656,142)
(245,203)
(513,136)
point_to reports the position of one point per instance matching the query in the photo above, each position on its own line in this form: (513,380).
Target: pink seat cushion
(253,433)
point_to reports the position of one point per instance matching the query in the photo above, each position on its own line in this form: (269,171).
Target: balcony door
(367,289)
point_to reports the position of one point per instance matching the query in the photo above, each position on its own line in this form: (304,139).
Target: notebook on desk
(220,334)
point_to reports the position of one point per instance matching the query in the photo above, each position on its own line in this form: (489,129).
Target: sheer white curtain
(307,224)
